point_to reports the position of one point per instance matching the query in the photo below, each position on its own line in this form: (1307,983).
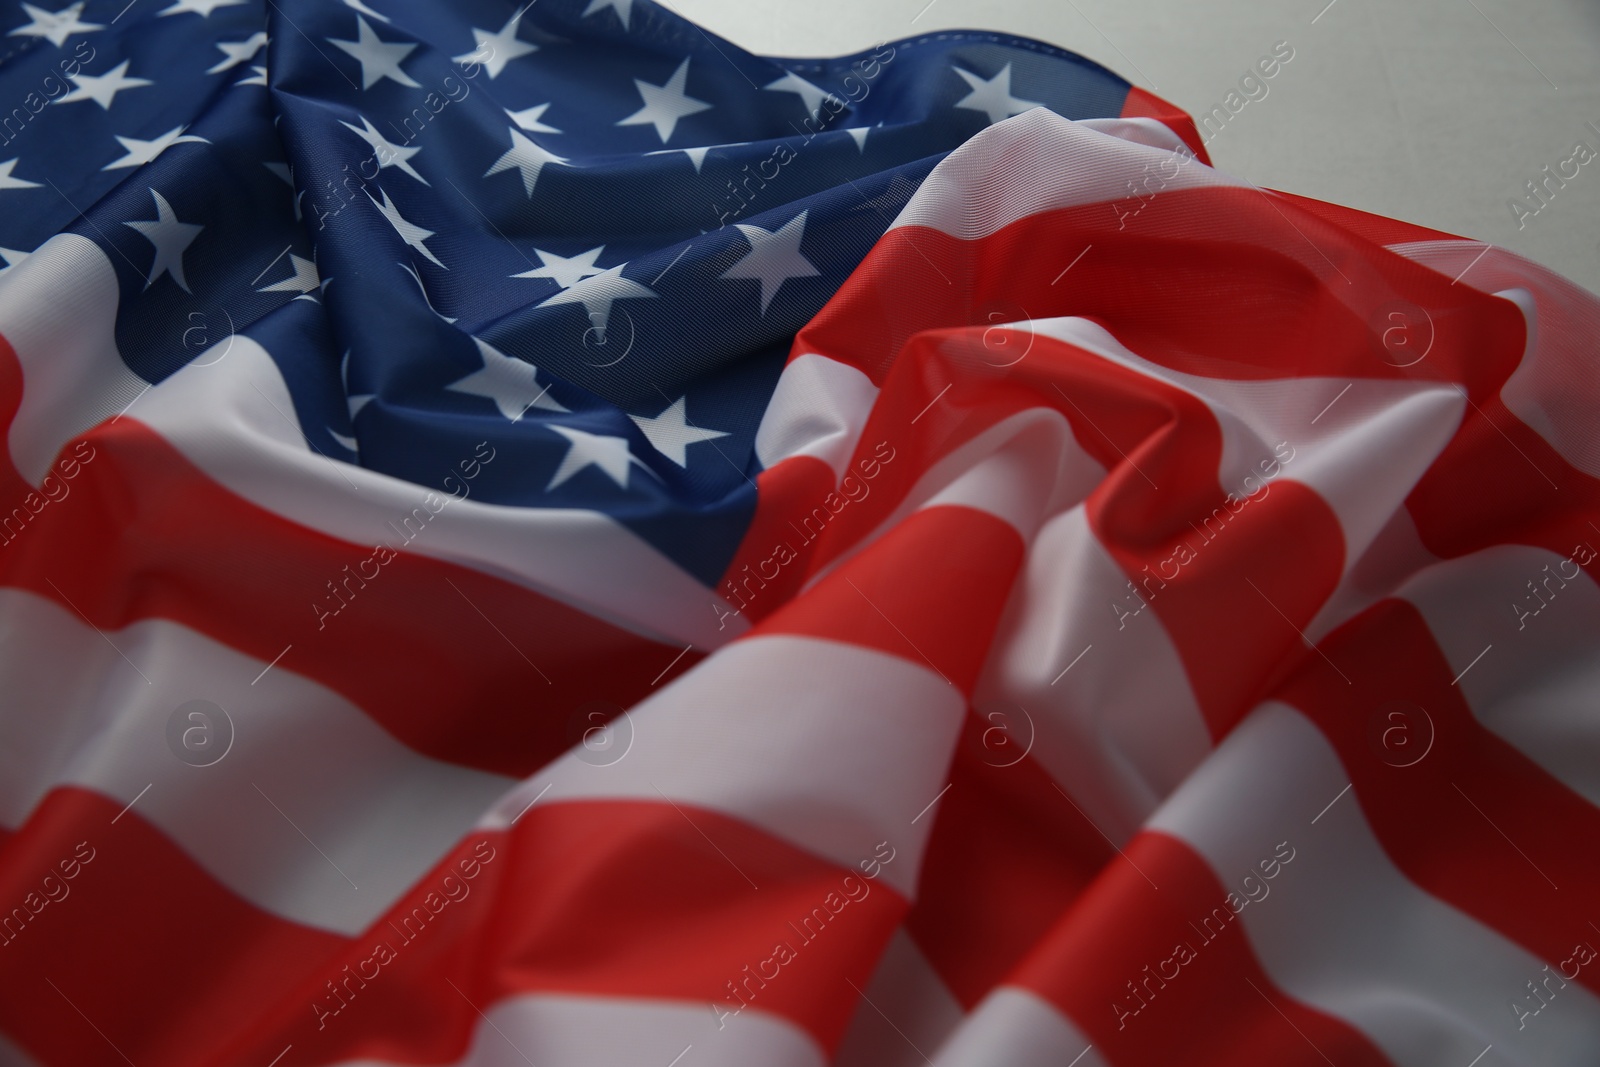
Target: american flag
(534,535)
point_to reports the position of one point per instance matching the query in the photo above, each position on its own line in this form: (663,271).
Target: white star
(411,234)
(286,174)
(141,152)
(103,88)
(528,119)
(610,454)
(860,135)
(811,96)
(12,256)
(379,59)
(235,53)
(597,294)
(409,269)
(171,239)
(55,26)
(671,433)
(354,401)
(357,5)
(8,182)
(203,8)
(563,270)
(257,76)
(525,157)
(503,47)
(774,257)
(305,279)
(993,97)
(387,153)
(623,8)
(665,104)
(697,155)
(513,384)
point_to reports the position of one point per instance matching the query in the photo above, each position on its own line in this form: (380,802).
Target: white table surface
(1433,111)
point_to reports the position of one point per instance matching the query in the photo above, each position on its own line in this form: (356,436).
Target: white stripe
(817,409)
(578,1031)
(1362,455)
(1394,555)
(1138,130)
(226,420)
(1536,685)
(1017,1028)
(1022,469)
(1038,162)
(1553,388)
(905,1015)
(77,713)
(230,414)
(776,731)
(11,1055)
(1343,930)
(820,404)
(1120,729)
(58,310)
(1122,738)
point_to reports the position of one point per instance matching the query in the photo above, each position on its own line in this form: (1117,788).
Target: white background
(1432,111)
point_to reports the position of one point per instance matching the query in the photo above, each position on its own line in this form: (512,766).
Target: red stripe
(1007,855)
(1142,104)
(604,898)
(930,590)
(1190,551)
(1317,295)
(1475,822)
(1379,229)
(948,387)
(12,485)
(1205,1013)
(144,943)
(144,534)
(785,493)
(1499,482)
(1236,609)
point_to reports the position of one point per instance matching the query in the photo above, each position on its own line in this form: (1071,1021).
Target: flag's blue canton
(584,230)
